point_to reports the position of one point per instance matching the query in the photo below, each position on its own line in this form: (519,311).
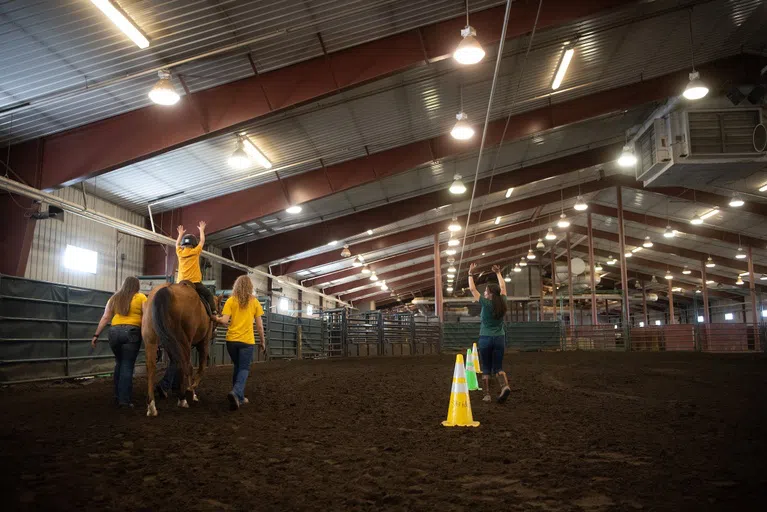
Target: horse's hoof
(183,404)
(151,410)
(195,398)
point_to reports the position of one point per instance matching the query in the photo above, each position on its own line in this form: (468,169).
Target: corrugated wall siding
(52,237)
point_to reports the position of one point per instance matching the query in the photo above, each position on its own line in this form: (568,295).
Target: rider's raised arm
(201,227)
(181,232)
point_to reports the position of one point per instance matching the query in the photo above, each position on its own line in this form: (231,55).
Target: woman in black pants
(124,310)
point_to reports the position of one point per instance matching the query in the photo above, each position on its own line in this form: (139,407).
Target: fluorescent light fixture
(80,260)
(627,158)
(294,210)
(509,192)
(695,89)
(462,130)
(701,319)
(469,51)
(709,213)
(333,242)
(729,316)
(657,322)
(117,16)
(497,220)
(641,324)
(163,92)
(255,153)
(763,188)
(696,220)
(563,64)
(636,249)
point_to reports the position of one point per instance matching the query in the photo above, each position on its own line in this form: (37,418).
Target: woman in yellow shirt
(124,310)
(239,313)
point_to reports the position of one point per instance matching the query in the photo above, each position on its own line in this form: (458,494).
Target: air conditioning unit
(653,151)
(721,133)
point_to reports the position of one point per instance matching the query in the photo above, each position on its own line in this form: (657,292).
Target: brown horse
(176,317)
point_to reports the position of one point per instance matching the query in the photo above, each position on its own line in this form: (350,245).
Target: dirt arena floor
(582,431)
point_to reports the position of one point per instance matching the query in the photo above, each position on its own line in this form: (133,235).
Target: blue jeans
(242,355)
(168,381)
(125,342)
(491,349)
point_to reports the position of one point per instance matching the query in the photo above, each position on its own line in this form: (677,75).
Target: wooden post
(671,320)
(704,278)
(592,264)
(570,281)
(624,270)
(438,279)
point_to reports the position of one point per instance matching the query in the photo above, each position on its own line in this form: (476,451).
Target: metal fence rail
(427,335)
(364,336)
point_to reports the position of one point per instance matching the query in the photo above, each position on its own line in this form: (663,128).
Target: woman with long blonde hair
(124,311)
(241,310)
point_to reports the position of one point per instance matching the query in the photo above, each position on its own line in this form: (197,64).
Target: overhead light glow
(373,276)
(497,220)
(530,255)
(763,277)
(763,188)
(611,260)
(451,269)
(563,222)
(517,268)
(123,22)
(669,233)
(449,289)
(457,187)
(453,242)
(647,242)
(597,268)
(696,220)
(469,51)
(695,89)
(357,262)
(507,279)
(676,289)
(255,153)
(563,64)
(627,158)
(710,213)
(580,204)
(522,262)
(636,249)
(384,287)
(736,201)
(628,255)
(550,235)
(346,253)
(462,130)
(370,231)
(454,226)
(450,252)
(739,281)
(508,192)
(669,275)
(741,255)
(710,263)
(710,281)
(365,269)
(540,244)
(332,243)
(686,271)
(293,210)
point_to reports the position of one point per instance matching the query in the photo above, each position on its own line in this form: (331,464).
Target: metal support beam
(752,286)
(704,278)
(671,316)
(624,270)
(592,276)
(644,304)
(437,279)
(570,281)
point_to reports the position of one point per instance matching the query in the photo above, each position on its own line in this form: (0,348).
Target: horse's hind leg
(150,352)
(203,348)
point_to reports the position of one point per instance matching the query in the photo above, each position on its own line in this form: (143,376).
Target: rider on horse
(188,250)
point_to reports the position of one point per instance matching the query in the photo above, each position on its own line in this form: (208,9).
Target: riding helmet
(189,240)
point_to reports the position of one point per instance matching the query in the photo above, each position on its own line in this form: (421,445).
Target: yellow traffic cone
(475,356)
(459,411)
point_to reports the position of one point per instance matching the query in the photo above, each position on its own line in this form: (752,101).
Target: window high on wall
(80,260)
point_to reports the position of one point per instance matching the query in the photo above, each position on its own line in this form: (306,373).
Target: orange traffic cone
(459,411)
(475,356)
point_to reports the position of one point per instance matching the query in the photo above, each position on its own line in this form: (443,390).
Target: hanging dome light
(450,252)
(453,242)
(530,255)
(507,278)
(597,268)
(452,260)
(517,268)
(736,201)
(469,51)
(698,290)
(611,260)
(668,275)
(647,242)
(373,276)
(454,226)
(457,187)
(580,204)
(695,89)
(540,245)
(739,281)
(763,277)
(239,159)
(346,253)
(550,235)
(449,289)
(522,262)
(697,220)
(462,130)
(563,222)
(627,158)
(451,276)
(669,233)
(741,255)
(383,286)
(451,269)
(710,263)
(654,280)
(163,92)
(365,269)
(686,271)
(294,210)
(357,261)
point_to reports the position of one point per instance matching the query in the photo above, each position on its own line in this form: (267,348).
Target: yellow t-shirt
(189,263)
(241,319)
(134,313)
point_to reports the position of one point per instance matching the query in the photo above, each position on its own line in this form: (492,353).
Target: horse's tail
(160,320)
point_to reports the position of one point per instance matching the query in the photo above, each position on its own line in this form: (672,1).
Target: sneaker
(245,401)
(505,392)
(234,404)
(486,398)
